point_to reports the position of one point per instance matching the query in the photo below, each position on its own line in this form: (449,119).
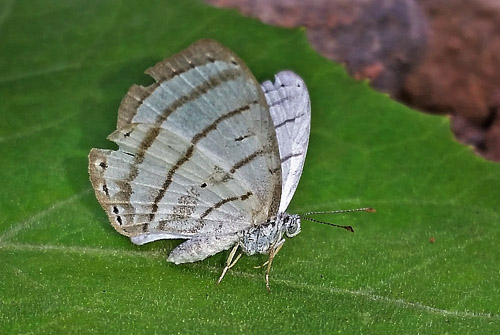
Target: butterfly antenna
(367,209)
(349,228)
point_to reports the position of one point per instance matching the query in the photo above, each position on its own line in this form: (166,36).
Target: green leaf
(64,67)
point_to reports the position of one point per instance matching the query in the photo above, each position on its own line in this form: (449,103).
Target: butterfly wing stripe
(288,121)
(292,155)
(224,201)
(248,159)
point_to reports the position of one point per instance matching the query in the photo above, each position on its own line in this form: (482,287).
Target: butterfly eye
(292,227)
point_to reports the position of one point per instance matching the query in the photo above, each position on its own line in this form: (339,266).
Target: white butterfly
(208,155)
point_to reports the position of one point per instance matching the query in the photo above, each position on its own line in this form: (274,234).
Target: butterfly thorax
(262,238)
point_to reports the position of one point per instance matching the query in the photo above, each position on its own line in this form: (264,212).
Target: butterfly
(208,155)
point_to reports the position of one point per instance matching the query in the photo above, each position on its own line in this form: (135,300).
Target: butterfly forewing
(197,151)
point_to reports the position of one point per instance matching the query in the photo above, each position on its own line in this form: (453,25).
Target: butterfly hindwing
(290,109)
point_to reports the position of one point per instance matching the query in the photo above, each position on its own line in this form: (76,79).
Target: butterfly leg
(274,251)
(261,266)
(229,262)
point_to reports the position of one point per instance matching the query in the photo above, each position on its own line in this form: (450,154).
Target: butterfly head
(292,225)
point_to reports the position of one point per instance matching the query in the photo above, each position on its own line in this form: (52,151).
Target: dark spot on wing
(275,170)
(241,138)
(246,196)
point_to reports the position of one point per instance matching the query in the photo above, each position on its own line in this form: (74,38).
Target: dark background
(437,56)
